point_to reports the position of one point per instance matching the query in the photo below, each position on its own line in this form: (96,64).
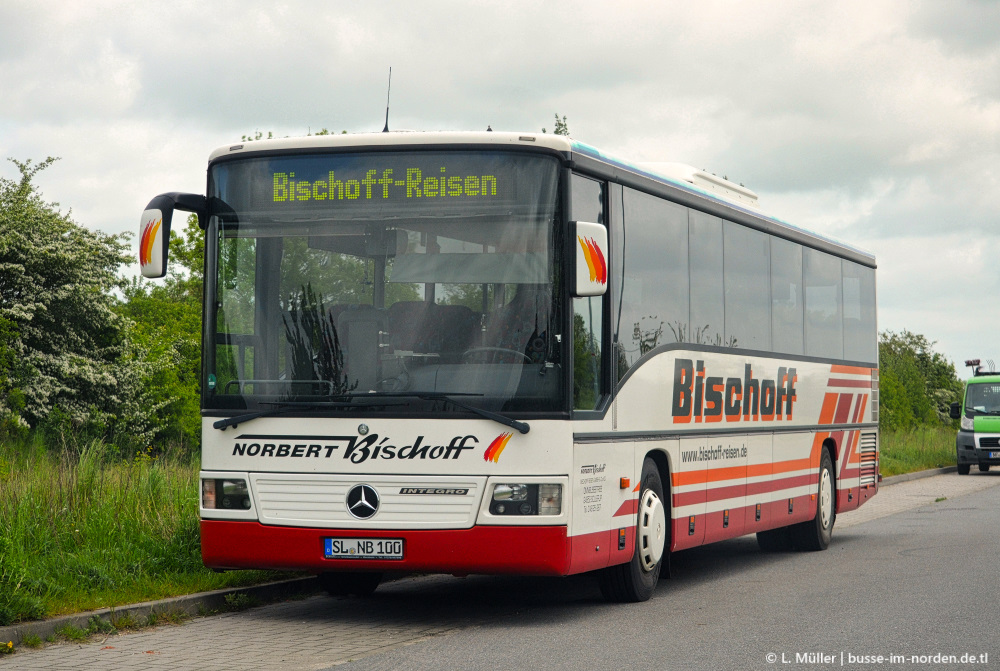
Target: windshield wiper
(436,396)
(506,421)
(287,407)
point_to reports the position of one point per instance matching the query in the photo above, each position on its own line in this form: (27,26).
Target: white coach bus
(509,353)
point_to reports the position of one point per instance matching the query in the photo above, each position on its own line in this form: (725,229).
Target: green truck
(978,440)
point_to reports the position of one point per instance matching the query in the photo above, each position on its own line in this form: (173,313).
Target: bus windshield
(339,277)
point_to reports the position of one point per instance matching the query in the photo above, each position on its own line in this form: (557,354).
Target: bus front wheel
(636,579)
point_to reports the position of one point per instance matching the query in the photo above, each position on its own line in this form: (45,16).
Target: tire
(984,468)
(963,469)
(816,533)
(636,579)
(775,540)
(344,584)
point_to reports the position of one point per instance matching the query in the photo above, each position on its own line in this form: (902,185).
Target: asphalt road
(916,583)
(912,584)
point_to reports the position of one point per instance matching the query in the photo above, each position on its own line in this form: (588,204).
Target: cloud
(875,121)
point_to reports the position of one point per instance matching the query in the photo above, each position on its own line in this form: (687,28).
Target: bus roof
(693,188)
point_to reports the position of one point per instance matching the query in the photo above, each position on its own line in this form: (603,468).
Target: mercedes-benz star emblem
(362,501)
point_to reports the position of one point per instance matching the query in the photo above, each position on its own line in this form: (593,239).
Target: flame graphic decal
(596,264)
(496,447)
(146,241)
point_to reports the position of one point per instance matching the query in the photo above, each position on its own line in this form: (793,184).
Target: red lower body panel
(528,550)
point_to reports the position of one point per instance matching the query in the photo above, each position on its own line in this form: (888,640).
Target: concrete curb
(190,604)
(896,479)
(205,602)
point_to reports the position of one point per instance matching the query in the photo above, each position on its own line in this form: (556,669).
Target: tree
(562,128)
(916,384)
(165,327)
(75,369)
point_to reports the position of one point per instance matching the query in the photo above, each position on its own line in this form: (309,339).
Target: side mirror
(956,410)
(590,269)
(154,228)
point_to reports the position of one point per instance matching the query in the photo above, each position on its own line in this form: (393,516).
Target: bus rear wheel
(344,584)
(816,533)
(636,579)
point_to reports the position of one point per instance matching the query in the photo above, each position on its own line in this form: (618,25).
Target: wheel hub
(825,498)
(652,530)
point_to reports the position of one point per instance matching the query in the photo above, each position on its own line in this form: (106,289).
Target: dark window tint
(824,328)
(587,197)
(786,296)
(748,288)
(655,301)
(707,293)
(859,312)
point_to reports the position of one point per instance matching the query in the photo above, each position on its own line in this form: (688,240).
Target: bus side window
(588,196)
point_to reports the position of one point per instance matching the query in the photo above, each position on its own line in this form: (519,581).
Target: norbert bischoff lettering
(700,397)
(358,450)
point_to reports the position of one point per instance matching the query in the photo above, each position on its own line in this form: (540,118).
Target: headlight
(225,494)
(510,492)
(526,499)
(966,423)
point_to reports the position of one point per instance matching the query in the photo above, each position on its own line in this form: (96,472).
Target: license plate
(994,455)
(363,548)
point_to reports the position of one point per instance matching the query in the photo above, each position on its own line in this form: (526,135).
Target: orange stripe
(829,407)
(855,457)
(792,465)
(588,257)
(739,472)
(143,244)
(814,456)
(850,370)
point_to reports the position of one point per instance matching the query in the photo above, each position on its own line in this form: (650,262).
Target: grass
(92,530)
(917,450)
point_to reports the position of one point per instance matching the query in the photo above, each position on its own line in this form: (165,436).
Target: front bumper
(969,453)
(529,550)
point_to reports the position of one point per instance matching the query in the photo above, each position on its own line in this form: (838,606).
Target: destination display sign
(386,181)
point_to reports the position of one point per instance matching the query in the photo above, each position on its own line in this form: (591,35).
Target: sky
(876,122)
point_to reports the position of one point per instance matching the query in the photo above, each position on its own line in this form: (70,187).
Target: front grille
(321,501)
(868,454)
(989,441)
